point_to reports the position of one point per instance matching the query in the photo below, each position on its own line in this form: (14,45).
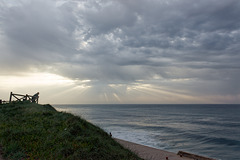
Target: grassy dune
(32,131)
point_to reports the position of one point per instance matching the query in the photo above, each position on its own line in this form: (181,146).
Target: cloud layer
(184,47)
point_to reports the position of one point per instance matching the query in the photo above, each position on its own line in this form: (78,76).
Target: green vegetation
(32,131)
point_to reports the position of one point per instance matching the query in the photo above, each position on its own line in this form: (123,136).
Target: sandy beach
(149,153)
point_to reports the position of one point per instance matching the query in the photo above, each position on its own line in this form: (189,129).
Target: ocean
(207,130)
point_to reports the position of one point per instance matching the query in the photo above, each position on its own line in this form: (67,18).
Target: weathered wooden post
(35,98)
(10,99)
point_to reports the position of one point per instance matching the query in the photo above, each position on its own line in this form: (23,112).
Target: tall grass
(32,131)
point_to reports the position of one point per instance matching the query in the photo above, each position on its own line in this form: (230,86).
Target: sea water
(208,130)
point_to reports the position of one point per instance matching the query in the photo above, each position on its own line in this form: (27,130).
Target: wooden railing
(21,97)
(3,102)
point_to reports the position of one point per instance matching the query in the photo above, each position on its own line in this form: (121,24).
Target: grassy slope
(32,131)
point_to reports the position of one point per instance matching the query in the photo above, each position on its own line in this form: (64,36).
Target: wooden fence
(21,97)
(3,101)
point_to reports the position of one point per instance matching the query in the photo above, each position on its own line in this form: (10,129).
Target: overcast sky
(121,51)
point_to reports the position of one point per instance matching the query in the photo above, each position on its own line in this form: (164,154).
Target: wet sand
(149,153)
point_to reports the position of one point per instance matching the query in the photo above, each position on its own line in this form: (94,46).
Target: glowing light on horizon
(117,97)
(59,89)
(47,83)
(34,79)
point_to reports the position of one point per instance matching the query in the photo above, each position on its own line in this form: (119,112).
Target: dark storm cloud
(38,30)
(125,41)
